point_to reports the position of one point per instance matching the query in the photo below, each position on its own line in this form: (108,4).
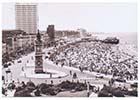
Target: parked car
(120,80)
(8,70)
(9,64)
(134,85)
(19,61)
(5,65)
(99,76)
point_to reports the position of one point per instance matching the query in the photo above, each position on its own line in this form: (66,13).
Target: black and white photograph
(75,49)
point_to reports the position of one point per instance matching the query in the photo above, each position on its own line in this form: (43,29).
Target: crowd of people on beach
(96,56)
(93,56)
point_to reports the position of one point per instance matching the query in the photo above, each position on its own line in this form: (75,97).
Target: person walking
(70,72)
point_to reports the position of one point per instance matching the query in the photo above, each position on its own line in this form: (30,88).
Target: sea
(129,38)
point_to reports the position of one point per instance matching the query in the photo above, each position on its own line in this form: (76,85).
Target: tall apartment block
(26,17)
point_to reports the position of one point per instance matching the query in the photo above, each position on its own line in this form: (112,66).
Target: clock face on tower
(37,48)
(38,63)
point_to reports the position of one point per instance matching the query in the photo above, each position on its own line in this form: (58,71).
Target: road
(16,69)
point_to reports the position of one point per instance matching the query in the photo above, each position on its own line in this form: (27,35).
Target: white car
(8,70)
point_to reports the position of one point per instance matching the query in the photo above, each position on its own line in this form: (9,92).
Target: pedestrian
(85,82)
(88,89)
(32,58)
(13,85)
(59,81)
(70,72)
(3,78)
(46,81)
(62,64)
(23,84)
(37,92)
(51,82)
(18,81)
(50,75)
(24,74)
(98,89)
(74,76)
(22,69)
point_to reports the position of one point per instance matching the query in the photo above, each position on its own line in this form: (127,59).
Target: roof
(13,31)
(26,3)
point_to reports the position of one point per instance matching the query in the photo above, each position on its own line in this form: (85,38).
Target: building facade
(67,33)
(26,17)
(83,32)
(50,31)
(3,48)
(23,40)
(10,38)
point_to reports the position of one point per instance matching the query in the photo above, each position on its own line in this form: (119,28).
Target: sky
(94,17)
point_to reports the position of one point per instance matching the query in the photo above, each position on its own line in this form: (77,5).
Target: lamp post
(6,77)
(5,66)
(88,89)
(11,76)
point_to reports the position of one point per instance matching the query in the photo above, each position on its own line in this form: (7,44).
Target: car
(73,91)
(3,78)
(99,76)
(46,57)
(5,65)
(9,64)
(19,61)
(120,80)
(8,70)
(134,85)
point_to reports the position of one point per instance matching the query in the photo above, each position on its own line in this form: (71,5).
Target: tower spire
(38,36)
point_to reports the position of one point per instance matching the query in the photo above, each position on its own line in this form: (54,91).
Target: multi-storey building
(50,31)
(26,19)
(10,37)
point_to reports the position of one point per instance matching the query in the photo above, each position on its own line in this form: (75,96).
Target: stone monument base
(50,73)
(39,70)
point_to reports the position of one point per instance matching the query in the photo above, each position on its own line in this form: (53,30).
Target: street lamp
(11,76)
(88,89)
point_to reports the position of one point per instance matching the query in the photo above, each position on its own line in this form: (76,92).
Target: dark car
(134,85)
(8,70)
(9,64)
(5,65)
(120,80)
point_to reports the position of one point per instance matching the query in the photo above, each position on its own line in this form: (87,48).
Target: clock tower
(38,54)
